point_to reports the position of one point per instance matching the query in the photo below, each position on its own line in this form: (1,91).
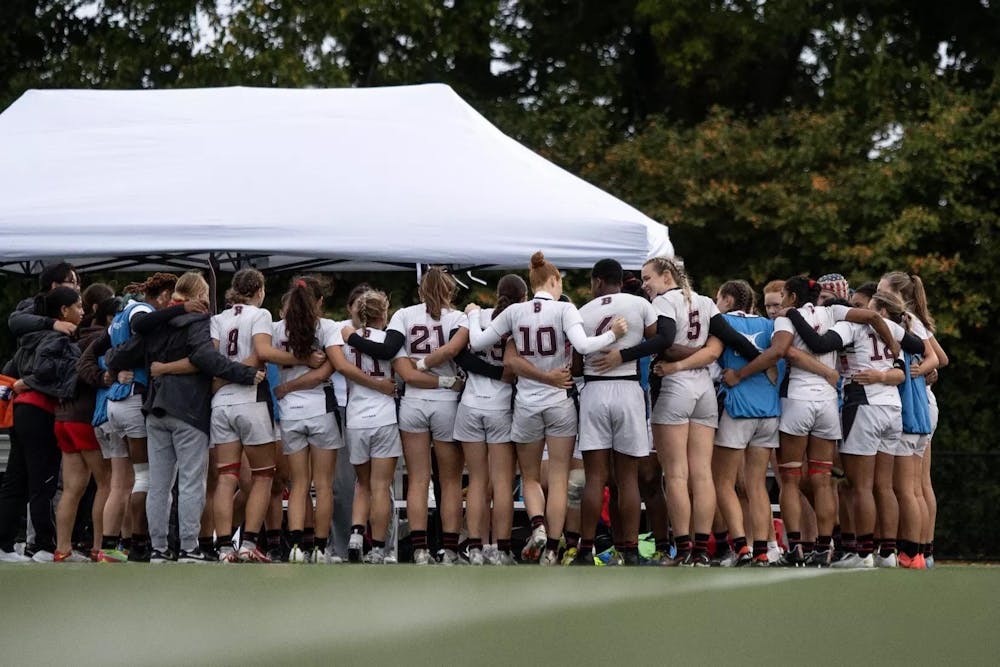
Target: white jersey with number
(803,385)
(234,329)
(481,392)
(422,335)
(597,317)
(692,319)
(306,403)
(864,350)
(367,408)
(538,329)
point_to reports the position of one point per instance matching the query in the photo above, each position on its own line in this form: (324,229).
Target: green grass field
(345,615)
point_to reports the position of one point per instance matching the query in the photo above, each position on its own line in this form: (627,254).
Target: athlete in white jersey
(542,330)
(427,410)
(482,425)
(685,413)
(372,436)
(910,288)
(241,415)
(612,412)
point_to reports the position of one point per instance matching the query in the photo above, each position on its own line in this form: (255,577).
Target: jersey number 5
(694,325)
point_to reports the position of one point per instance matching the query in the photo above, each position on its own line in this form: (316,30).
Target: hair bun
(537,260)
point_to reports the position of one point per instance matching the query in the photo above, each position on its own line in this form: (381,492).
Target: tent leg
(213,272)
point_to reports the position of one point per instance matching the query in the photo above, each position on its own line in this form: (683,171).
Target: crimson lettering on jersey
(420,338)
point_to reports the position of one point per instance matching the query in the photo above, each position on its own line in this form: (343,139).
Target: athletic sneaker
(158,557)
(550,557)
(228,555)
(13,557)
(252,554)
(503,558)
(725,558)
(355,547)
(422,557)
(761,560)
(324,558)
(569,556)
(794,557)
(532,551)
(696,560)
(72,556)
(196,555)
(886,561)
(140,554)
(475,556)
(38,555)
(582,558)
(376,556)
(912,563)
(774,553)
(929,562)
(275,554)
(819,558)
(743,558)
(490,552)
(297,555)
(450,557)
(854,561)
(630,558)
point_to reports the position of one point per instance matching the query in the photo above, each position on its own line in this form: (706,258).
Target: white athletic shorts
(418,415)
(126,418)
(381,442)
(689,400)
(870,429)
(113,445)
(477,425)
(532,423)
(819,418)
(321,432)
(917,443)
(613,416)
(247,423)
(737,433)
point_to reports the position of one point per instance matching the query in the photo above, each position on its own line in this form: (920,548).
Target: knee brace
(231,469)
(820,467)
(577,479)
(265,472)
(141,472)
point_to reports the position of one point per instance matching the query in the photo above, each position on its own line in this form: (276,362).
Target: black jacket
(23,321)
(46,361)
(188,397)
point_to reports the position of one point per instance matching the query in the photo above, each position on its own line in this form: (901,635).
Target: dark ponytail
(741,293)
(302,314)
(510,290)
(804,289)
(55,300)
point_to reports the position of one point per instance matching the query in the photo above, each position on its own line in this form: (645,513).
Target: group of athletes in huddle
(663,396)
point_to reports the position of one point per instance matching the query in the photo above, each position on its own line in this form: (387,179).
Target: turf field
(403,615)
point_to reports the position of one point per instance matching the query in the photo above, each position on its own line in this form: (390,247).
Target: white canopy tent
(373,178)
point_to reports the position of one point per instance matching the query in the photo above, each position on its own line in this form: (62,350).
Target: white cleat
(887,561)
(550,557)
(422,557)
(449,557)
(376,556)
(324,558)
(355,547)
(13,557)
(532,551)
(476,557)
(297,555)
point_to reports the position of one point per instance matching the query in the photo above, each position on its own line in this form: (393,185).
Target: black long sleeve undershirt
(731,338)
(666,330)
(911,343)
(475,364)
(145,323)
(385,351)
(828,342)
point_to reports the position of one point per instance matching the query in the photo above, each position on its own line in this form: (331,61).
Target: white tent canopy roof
(315,178)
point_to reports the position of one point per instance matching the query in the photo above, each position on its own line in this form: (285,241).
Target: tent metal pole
(213,270)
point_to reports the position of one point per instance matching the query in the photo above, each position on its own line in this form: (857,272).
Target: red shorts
(76,437)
